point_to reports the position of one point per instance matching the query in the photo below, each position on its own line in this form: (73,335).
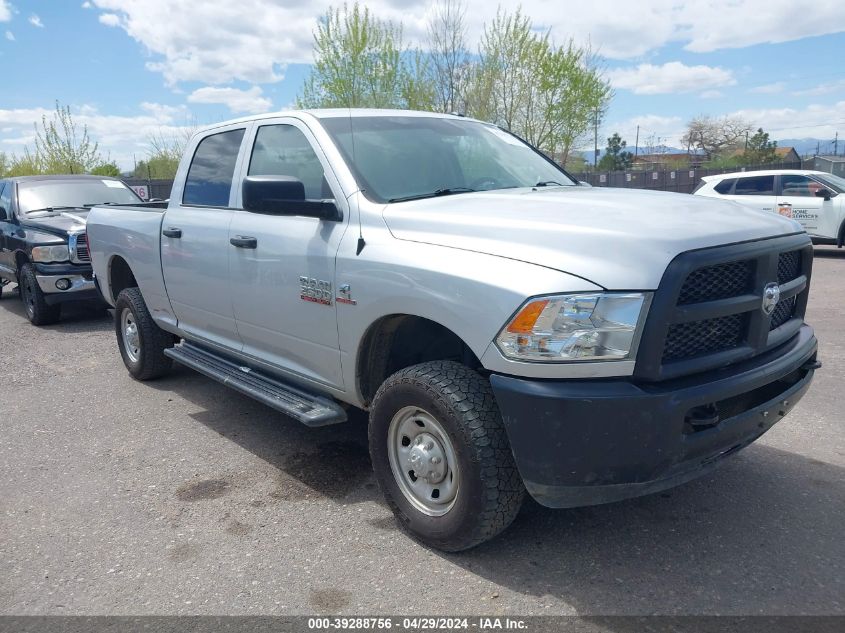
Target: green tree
(163,156)
(616,158)
(547,94)
(62,148)
(5,164)
(760,149)
(360,61)
(109,168)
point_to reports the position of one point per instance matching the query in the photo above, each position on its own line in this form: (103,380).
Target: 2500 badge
(315,290)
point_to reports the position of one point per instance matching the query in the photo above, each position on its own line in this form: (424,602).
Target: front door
(195,241)
(798,195)
(6,229)
(282,284)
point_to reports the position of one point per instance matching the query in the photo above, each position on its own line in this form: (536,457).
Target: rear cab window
(212,170)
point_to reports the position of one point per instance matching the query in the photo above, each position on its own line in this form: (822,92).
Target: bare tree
(716,136)
(450,59)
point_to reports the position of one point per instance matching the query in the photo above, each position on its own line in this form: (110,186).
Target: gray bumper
(78,283)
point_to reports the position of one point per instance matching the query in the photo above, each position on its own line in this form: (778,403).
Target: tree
(714,136)
(5,164)
(450,65)
(615,157)
(360,61)
(546,94)
(165,152)
(760,149)
(61,148)
(109,168)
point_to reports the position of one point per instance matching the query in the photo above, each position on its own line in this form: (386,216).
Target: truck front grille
(81,252)
(708,310)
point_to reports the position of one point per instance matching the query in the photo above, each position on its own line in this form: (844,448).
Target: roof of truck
(60,177)
(330,113)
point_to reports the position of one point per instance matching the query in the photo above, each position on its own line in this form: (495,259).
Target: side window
(6,197)
(211,172)
(283,150)
(799,186)
(755,186)
(724,187)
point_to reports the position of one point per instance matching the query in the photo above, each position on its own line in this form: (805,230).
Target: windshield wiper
(48,209)
(446,191)
(549,183)
(88,205)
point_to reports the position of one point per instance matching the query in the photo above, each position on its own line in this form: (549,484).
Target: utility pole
(596,141)
(637,143)
(746,142)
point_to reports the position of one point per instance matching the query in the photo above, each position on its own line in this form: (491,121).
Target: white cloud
(711,94)
(823,89)
(672,77)
(668,129)
(10,36)
(219,41)
(123,138)
(87,5)
(34,20)
(769,89)
(814,121)
(250,101)
(5,11)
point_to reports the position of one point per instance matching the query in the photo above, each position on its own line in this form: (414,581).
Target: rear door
(7,267)
(283,288)
(757,192)
(798,197)
(195,239)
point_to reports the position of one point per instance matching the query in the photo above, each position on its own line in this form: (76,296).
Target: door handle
(171,232)
(242,241)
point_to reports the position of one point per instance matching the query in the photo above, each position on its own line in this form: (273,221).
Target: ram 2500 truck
(506,328)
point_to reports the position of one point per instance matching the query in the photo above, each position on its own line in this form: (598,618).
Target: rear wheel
(442,457)
(38,311)
(141,341)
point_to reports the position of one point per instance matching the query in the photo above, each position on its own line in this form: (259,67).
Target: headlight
(47,254)
(576,327)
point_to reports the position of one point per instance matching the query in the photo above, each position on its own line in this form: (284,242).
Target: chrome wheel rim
(423,461)
(130,336)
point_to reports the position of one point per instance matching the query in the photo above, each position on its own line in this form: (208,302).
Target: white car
(813,198)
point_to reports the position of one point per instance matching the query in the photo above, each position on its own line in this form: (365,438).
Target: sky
(132,69)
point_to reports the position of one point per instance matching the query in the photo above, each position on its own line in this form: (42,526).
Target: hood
(58,223)
(619,239)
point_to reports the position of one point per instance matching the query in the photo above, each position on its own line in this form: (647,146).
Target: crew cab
(812,198)
(505,328)
(43,245)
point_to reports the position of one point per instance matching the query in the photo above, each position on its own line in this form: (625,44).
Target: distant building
(831,164)
(787,155)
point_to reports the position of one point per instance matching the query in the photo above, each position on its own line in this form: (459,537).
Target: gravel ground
(182,497)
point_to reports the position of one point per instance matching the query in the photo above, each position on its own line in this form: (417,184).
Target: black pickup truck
(43,244)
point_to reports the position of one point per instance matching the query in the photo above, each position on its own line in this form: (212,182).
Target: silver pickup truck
(506,328)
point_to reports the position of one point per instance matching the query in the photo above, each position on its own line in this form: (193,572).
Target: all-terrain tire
(144,356)
(490,490)
(37,310)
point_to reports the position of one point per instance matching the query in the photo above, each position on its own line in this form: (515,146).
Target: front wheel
(38,311)
(141,341)
(442,457)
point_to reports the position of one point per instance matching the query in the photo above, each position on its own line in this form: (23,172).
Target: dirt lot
(180,496)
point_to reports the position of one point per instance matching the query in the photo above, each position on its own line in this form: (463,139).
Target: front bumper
(82,286)
(586,442)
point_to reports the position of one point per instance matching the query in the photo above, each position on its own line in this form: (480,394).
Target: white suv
(813,198)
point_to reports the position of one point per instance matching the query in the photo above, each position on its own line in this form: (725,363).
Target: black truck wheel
(441,455)
(141,341)
(38,311)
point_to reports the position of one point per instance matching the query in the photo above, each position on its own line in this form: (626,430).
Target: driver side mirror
(284,195)
(824,193)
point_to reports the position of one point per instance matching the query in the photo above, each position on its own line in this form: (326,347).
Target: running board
(302,406)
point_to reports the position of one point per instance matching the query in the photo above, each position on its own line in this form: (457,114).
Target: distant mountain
(808,146)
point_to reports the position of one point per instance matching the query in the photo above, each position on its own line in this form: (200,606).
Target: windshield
(45,194)
(399,157)
(835,183)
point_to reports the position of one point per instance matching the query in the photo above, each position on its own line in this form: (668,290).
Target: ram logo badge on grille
(771,296)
